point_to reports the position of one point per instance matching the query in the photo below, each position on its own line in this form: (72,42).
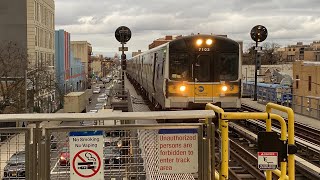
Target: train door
(202,73)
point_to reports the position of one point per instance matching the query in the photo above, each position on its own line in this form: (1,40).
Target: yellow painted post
(289,111)
(264,116)
(224,116)
(223,127)
(283,168)
(268,129)
(225,145)
(216,175)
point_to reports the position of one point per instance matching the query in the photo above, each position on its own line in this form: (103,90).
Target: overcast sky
(287,21)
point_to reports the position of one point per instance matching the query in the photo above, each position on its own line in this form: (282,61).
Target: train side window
(158,68)
(178,66)
(162,68)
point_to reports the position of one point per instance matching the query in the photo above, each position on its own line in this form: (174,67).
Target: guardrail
(46,159)
(224,117)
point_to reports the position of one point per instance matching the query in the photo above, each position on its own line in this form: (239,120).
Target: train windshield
(229,66)
(202,68)
(179,67)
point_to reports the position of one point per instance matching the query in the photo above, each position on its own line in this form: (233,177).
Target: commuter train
(277,93)
(188,72)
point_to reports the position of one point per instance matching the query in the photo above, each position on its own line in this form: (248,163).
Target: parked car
(103,95)
(106,80)
(53,142)
(111,155)
(64,156)
(15,168)
(104,103)
(96,91)
(93,111)
(98,107)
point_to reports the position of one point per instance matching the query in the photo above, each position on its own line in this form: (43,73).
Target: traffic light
(258,61)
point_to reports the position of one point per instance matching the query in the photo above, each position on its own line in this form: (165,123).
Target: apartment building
(29,24)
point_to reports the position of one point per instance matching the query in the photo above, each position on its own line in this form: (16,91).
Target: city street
(112,171)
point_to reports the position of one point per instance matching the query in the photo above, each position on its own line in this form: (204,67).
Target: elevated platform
(298,118)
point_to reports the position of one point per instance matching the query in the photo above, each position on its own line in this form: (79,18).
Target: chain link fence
(14,153)
(130,151)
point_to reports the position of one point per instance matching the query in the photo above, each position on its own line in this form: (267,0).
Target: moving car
(64,156)
(15,168)
(96,90)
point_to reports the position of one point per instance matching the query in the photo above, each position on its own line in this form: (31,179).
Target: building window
(35,36)
(297,81)
(301,57)
(37,59)
(309,86)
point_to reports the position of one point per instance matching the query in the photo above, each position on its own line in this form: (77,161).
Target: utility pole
(258,33)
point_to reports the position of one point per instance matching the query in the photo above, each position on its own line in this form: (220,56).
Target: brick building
(163,40)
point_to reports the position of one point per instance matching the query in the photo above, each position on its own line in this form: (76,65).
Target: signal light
(199,42)
(209,41)
(182,88)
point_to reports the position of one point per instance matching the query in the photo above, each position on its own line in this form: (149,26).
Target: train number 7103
(204,49)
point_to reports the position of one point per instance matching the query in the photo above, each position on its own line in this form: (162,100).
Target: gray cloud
(287,21)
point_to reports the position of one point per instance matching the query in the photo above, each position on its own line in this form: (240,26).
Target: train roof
(216,37)
(190,38)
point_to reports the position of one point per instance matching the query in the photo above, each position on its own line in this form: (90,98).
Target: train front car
(203,69)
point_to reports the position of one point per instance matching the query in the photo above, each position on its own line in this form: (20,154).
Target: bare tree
(21,86)
(269,53)
(13,62)
(249,55)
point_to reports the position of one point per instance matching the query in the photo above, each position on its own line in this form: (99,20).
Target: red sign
(86,159)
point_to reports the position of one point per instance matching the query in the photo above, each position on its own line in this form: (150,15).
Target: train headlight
(209,41)
(224,88)
(199,42)
(182,88)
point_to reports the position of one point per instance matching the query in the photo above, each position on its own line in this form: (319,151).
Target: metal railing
(304,105)
(225,117)
(135,147)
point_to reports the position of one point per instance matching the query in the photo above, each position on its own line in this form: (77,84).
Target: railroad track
(308,155)
(306,138)
(304,169)
(303,131)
